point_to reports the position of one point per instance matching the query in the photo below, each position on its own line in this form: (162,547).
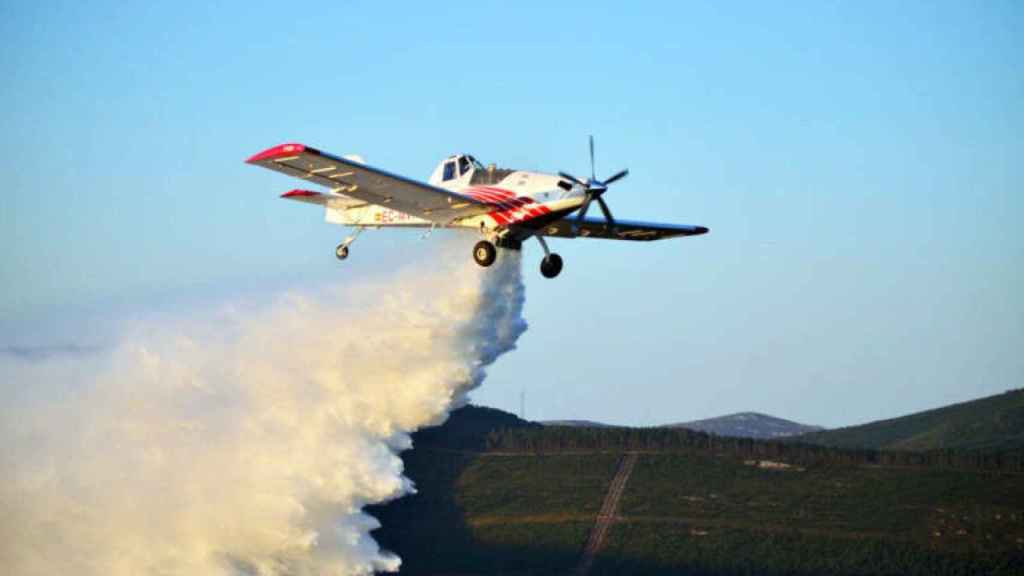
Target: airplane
(506,207)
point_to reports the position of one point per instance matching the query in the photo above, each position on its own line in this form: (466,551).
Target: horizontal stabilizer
(329,199)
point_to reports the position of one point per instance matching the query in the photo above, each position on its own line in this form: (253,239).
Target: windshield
(476,163)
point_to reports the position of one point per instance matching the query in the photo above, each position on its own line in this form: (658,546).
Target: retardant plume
(246,441)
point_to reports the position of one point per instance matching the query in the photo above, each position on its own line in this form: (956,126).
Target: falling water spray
(246,441)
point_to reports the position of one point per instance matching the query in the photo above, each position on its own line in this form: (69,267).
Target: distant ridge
(577,423)
(991,424)
(741,424)
(994,423)
(748,425)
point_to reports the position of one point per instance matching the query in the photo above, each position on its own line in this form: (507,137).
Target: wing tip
(289,149)
(701,230)
(299,193)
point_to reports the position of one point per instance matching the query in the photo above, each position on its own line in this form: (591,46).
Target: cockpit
(463,169)
(465,164)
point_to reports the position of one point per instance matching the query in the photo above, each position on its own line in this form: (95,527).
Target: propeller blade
(593,173)
(573,179)
(607,212)
(617,176)
(586,206)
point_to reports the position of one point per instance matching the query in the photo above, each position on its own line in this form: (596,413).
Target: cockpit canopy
(462,169)
(459,166)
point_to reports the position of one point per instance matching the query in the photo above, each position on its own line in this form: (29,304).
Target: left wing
(362,182)
(620,230)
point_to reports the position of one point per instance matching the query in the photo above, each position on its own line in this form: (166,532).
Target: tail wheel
(484,253)
(551,265)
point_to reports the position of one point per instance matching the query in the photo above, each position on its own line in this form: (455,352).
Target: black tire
(484,253)
(341,252)
(551,265)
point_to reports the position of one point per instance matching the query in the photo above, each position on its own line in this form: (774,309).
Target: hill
(994,423)
(468,428)
(577,423)
(748,425)
(527,501)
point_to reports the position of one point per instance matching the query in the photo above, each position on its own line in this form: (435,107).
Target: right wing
(348,178)
(620,230)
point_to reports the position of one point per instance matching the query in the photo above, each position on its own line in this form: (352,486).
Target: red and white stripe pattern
(511,209)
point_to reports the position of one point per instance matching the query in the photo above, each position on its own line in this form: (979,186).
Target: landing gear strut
(551,265)
(341,252)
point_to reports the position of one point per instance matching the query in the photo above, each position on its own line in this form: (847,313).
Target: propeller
(593,189)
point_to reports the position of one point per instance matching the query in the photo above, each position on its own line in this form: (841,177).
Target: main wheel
(551,265)
(484,253)
(341,251)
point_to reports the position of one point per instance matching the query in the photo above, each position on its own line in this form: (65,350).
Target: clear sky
(859,164)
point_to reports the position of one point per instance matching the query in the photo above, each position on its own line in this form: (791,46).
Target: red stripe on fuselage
(501,191)
(518,215)
(512,209)
(490,199)
(496,192)
(502,196)
(501,201)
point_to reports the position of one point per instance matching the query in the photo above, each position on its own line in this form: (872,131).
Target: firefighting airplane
(505,206)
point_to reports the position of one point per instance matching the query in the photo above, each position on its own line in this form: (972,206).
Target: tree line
(570,439)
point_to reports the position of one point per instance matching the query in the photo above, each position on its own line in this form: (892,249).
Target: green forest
(991,424)
(498,495)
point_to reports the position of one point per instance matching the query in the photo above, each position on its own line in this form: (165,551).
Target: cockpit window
(449,171)
(463,165)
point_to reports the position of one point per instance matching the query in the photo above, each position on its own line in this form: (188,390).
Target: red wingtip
(299,193)
(291,149)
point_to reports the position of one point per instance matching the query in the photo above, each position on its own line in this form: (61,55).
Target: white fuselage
(520,197)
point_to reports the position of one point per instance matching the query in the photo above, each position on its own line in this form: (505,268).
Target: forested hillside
(994,423)
(526,498)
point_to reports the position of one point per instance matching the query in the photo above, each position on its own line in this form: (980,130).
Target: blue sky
(858,164)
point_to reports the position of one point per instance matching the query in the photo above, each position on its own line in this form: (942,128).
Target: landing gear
(551,265)
(484,253)
(341,252)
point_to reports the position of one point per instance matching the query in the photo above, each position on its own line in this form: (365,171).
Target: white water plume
(247,441)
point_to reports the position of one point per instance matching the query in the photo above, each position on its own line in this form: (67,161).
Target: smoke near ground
(244,441)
